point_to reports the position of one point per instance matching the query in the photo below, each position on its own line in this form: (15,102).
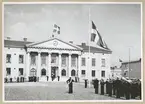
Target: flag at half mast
(96,37)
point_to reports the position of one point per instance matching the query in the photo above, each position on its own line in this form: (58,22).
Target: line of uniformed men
(118,87)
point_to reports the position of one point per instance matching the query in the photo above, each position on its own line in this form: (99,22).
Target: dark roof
(134,61)
(14,43)
(95,49)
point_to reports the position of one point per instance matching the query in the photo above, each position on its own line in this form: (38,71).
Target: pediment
(54,43)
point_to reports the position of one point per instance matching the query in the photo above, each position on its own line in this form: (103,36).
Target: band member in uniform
(70,85)
(127,90)
(102,86)
(122,87)
(114,88)
(133,89)
(117,84)
(110,87)
(76,79)
(96,84)
(47,78)
(17,79)
(86,83)
(58,78)
(139,87)
(52,76)
(107,83)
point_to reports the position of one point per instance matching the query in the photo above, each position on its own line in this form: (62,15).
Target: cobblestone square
(50,91)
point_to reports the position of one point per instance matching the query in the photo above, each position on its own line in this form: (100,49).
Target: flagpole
(129,65)
(89,50)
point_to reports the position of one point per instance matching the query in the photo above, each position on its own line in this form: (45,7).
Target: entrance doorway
(32,77)
(54,72)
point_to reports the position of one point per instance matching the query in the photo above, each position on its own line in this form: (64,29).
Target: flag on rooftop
(120,60)
(56,29)
(94,33)
(96,37)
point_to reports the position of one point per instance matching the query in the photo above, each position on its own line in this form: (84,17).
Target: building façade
(54,58)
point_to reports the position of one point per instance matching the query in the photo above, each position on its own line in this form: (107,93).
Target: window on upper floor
(73,61)
(43,60)
(8,58)
(33,60)
(21,59)
(93,62)
(103,62)
(21,71)
(8,71)
(63,60)
(53,59)
(83,62)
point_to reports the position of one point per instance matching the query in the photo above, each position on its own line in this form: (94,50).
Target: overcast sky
(119,24)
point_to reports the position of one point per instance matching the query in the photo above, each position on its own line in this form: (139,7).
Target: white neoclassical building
(54,58)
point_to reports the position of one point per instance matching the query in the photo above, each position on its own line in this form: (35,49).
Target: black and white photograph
(72,51)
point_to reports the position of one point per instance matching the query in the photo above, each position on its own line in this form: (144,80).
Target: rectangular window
(103,63)
(33,60)
(83,72)
(8,58)
(83,62)
(20,71)
(8,71)
(21,59)
(103,73)
(43,60)
(93,62)
(93,73)
(53,59)
(73,61)
(63,60)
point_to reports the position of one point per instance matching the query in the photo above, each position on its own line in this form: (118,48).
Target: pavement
(29,91)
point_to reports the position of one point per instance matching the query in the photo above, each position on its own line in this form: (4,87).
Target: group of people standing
(113,87)
(130,89)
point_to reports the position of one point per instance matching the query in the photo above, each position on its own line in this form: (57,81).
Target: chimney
(25,39)
(71,42)
(8,38)
(83,44)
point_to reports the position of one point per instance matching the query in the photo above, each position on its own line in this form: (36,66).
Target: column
(27,65)
(59,65)
(69,60)
(39,65)
(49,66)
(79,66)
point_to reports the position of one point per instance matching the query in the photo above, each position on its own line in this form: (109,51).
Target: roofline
(132,61)
(108,51)
(35,43)
(12,46)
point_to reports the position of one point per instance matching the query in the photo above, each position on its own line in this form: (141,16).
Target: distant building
(116,72)
(54,57)
(135,69)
